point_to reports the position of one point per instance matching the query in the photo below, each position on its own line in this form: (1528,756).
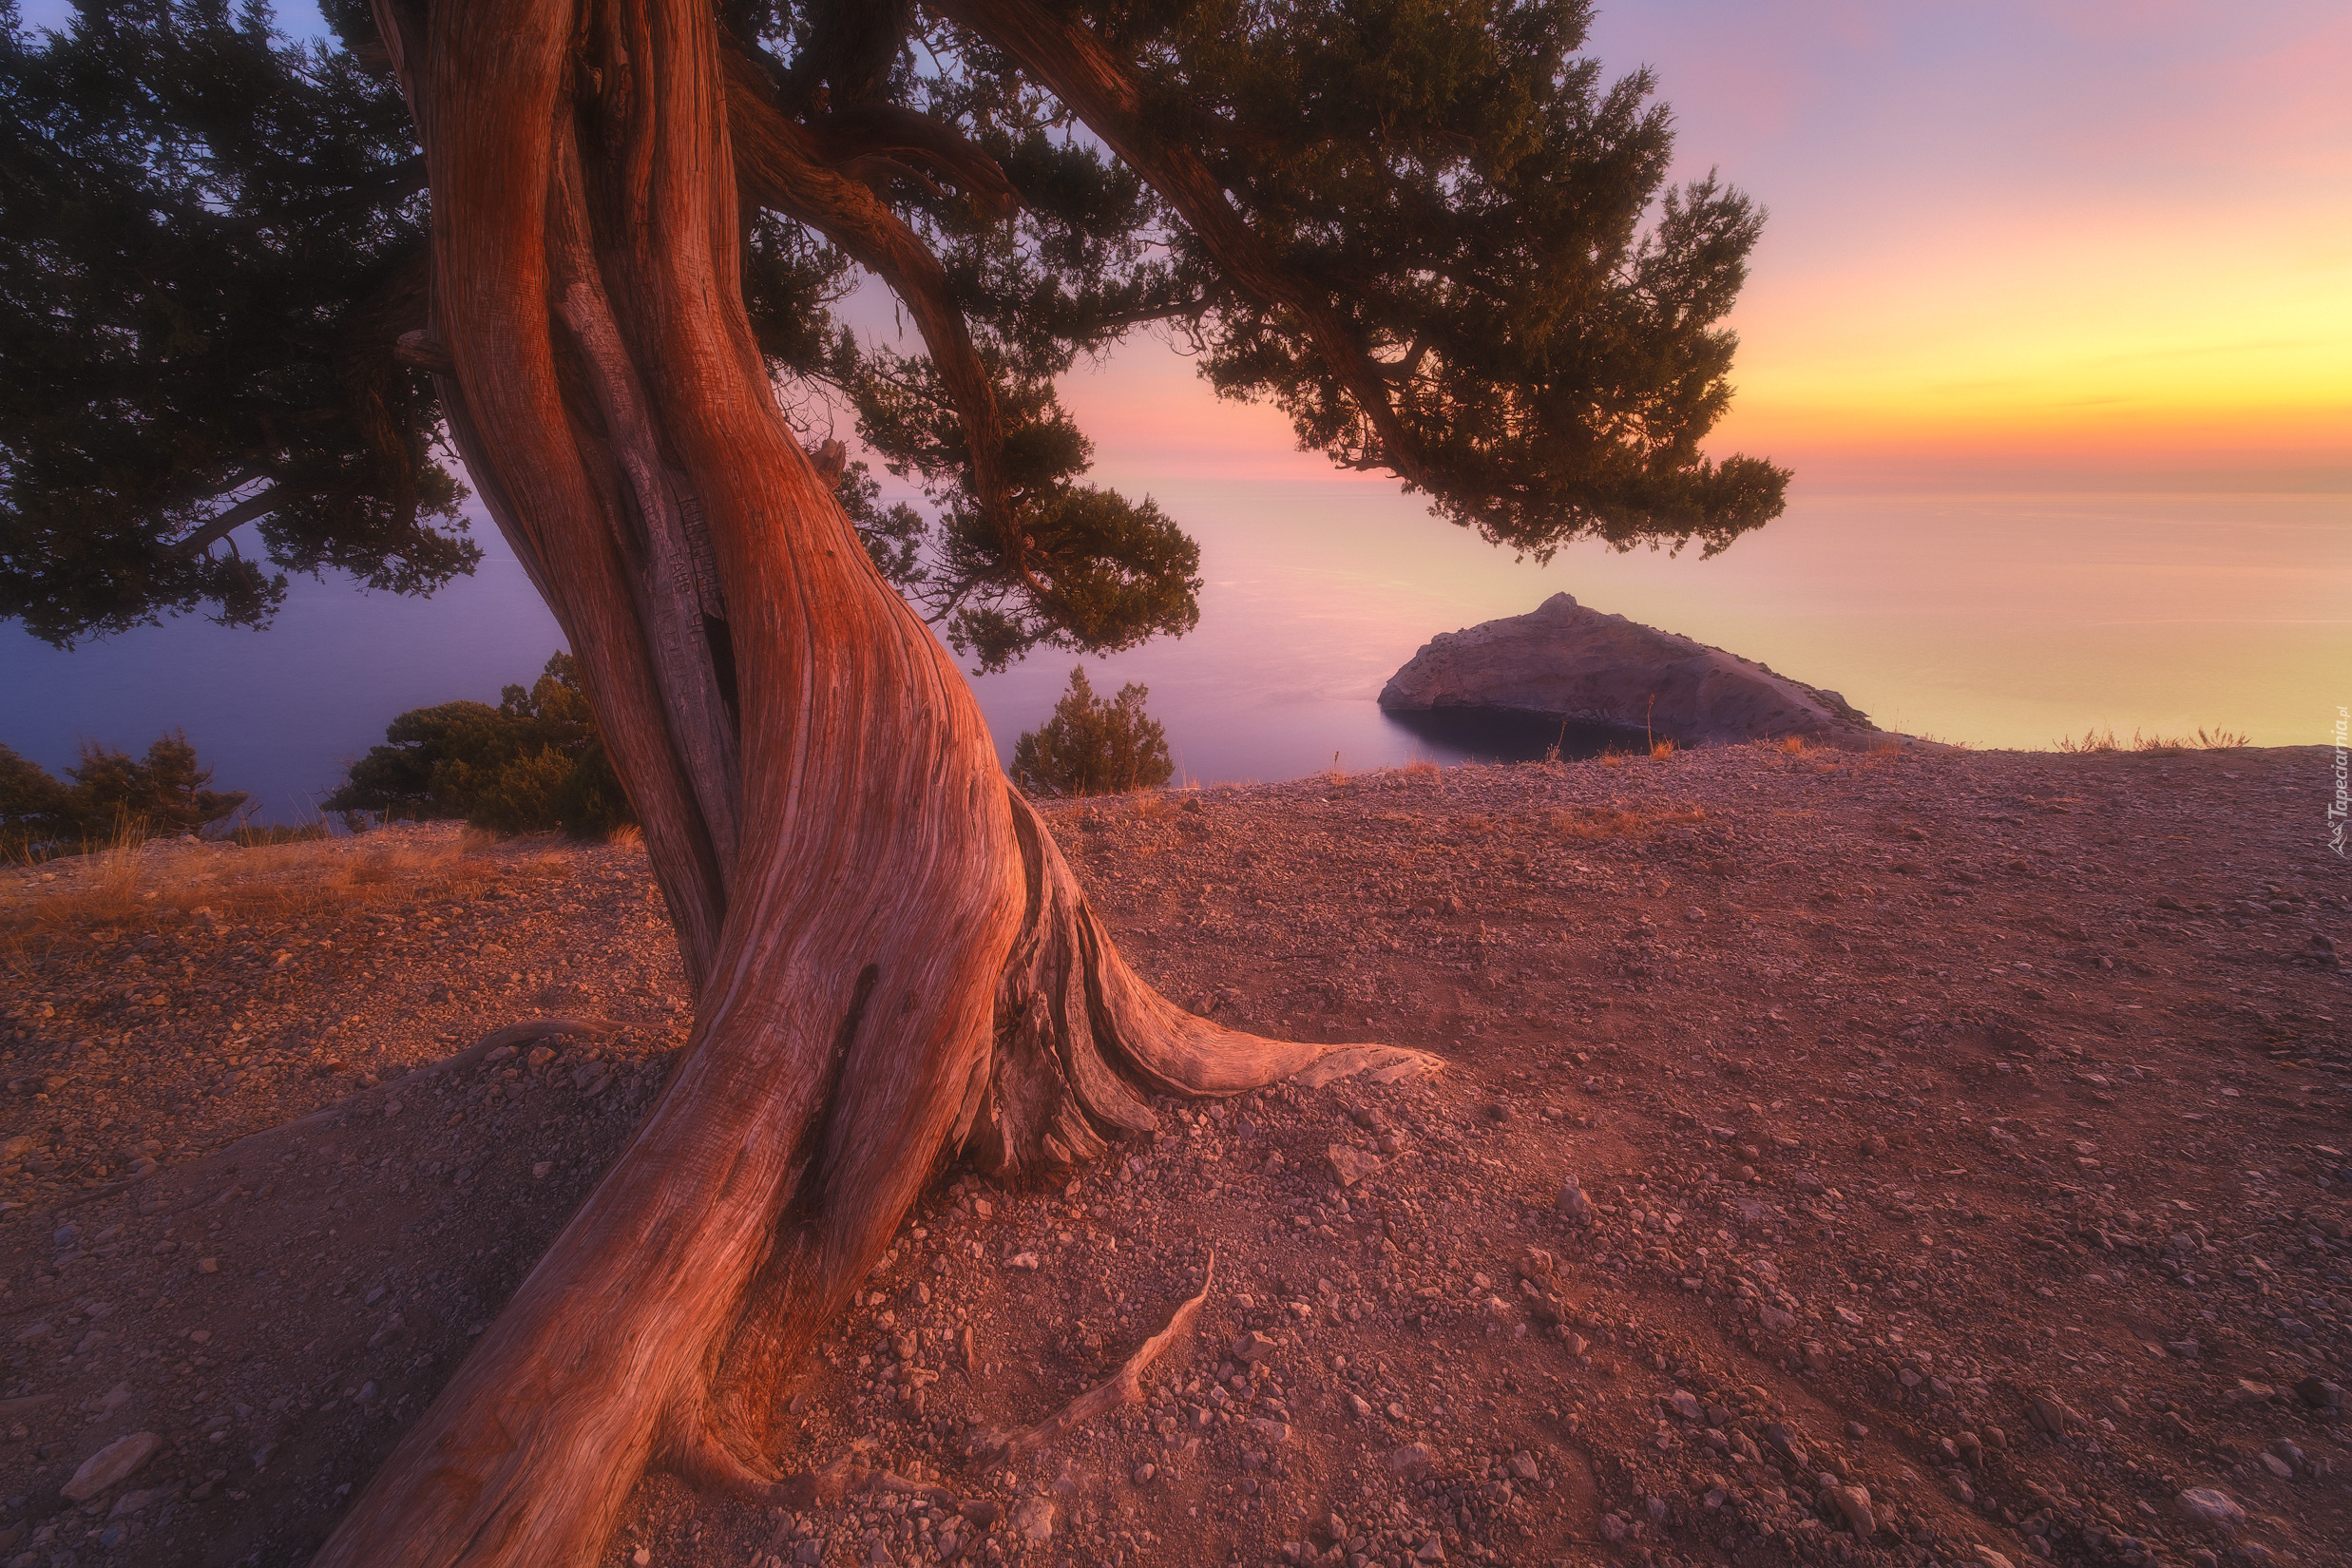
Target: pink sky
(2011,245)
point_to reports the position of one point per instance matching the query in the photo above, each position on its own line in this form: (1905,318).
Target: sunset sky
(2012,245)
(2026,263)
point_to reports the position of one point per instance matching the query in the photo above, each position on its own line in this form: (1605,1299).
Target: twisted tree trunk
(891,961)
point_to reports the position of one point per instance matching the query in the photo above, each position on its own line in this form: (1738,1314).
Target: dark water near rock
(1505,734)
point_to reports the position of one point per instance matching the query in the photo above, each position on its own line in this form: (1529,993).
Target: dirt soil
(1896,1158)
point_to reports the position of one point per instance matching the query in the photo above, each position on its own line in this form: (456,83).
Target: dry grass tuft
(1661,750)
(1592,823)
(1150,805)
(2098,740)
(627,836)
(134,880)
(1420,767)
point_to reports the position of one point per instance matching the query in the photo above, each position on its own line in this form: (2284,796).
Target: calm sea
(1997,619)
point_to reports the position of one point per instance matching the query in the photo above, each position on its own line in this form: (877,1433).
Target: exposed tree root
(528,1032)
(707,1465)
(1082,1042)
(1123,1388)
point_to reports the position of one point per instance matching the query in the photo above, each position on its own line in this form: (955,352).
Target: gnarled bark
(892,961)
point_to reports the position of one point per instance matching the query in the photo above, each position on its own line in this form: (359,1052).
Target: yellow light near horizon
(2117,337)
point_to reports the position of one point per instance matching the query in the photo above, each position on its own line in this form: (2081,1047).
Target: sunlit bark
(891,961)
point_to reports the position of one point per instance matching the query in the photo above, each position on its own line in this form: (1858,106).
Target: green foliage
(1472,274)
(112,793)
(36,810)
(215,238)
(532,764)
(1492,221)
(1094,747)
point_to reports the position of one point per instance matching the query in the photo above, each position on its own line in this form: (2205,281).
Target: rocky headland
(1567,662)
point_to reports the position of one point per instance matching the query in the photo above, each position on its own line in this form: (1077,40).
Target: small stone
(1854,1502)
(1430,1550)
(1686,1404)
(1252,1348)
(1411,1457)
(540,1168)
(1523,1467)
(1359,1408)
(641,1557)
(1987,1558)
(2318,1393)
(32,1332)
(1612,1527)
(2278,1466)
(2048,1413)
(1572,1201)
(117,1461)
(207,1265)
(1033,1515)
(2213,1506)
(1348,1164)
(1145,1472)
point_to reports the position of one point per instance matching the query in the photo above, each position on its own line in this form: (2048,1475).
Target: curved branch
(885,130)
(1058,49)
(780,164)
(222,524)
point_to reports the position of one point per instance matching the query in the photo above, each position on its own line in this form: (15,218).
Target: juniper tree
(1090,746)
(577,246)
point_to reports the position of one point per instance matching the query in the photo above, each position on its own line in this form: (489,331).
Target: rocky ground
(1881,1158)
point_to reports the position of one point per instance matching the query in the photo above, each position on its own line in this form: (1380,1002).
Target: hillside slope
(1890,1157)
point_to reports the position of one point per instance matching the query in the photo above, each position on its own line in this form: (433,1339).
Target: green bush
(1093,747)
(36,812)
(112,793)
(532,764)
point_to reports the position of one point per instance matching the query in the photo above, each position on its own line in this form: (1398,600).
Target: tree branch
(780,164)
(1062,52)
(220,524)
(882,130)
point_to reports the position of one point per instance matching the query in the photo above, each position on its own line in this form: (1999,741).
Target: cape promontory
(1565,660)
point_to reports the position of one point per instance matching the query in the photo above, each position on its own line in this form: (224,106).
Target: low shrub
(1094,747)
(532,764)
(113,795)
